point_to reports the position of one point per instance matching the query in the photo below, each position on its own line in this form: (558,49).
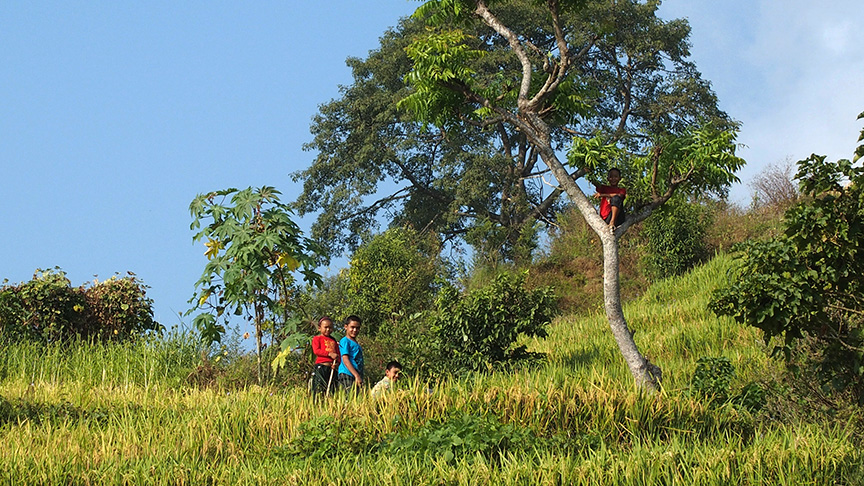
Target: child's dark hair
(393,364)
(352,318)
(324,318)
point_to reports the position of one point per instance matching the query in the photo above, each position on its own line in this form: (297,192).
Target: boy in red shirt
(326,353)
(612,200)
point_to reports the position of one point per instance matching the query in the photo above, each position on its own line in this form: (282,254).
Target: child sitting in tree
(391,376)
(326,355)
(612,200)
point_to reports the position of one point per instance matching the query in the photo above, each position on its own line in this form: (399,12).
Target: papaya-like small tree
(253,252)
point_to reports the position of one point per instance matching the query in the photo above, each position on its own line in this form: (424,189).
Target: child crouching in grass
(391,376)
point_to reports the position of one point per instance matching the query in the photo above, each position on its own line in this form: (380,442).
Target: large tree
(478,177)
(548,61)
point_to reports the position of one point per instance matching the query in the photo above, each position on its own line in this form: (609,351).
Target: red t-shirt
(605,207)
(322,346)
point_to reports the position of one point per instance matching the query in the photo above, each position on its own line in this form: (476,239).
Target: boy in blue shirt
(351,367)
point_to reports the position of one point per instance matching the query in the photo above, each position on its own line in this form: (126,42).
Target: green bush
(391,277)
(806,283)
(479,330)
(712,381)
(465,436)
(712,378)
(48,308)
(675,237)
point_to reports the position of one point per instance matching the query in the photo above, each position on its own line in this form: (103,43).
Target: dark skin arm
(347,363)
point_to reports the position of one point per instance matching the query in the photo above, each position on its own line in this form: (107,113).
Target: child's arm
(347,362)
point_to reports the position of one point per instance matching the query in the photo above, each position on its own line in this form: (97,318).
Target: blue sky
(114,115)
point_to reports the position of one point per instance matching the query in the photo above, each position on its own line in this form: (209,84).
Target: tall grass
(121,414)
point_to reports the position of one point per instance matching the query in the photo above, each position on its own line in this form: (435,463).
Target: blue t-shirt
(349,347)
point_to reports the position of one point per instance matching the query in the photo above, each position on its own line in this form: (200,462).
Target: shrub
(712,381)
(806,282)
(48,308)
(464,436)
(118,308)
(675,237)
(392,276)
(480,330)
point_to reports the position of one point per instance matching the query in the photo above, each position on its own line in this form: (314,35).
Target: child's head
(614,176)
(352,326)
(393,371)
(325,326)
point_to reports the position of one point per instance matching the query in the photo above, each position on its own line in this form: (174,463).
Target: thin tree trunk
(259,332)
(646,374)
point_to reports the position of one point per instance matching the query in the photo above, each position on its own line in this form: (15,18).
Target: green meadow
(125,414)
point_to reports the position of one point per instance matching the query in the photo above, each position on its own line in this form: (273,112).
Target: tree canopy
(421,136)
(531,95)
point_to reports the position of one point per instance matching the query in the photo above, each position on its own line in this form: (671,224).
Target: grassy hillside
(122,415)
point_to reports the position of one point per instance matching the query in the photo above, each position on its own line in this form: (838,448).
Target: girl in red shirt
(326,353)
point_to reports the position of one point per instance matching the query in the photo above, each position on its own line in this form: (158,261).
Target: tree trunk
(646,374)
(259,332)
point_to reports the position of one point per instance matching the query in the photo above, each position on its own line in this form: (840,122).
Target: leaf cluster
(675,238)
(433,130)
(712,380)
(393,276)
(466,437)
(480,329)
(253,250)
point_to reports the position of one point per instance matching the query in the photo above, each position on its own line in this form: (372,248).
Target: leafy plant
(712,378)
(464,436)
(480,330)
(712,381)
(327,436)
(253,250)
(808,280)
(119,306)
(392,276)
(48,308)
(675,238)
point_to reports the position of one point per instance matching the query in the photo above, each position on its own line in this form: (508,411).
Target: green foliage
(712,381)
(435,113)
(253,250)
(480,330)
(391,277)
(699,161)
(712,378)
(807,281)
(442,61)
(119,307)
(467,437)
(326,437)
(675,238)
(48,308)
